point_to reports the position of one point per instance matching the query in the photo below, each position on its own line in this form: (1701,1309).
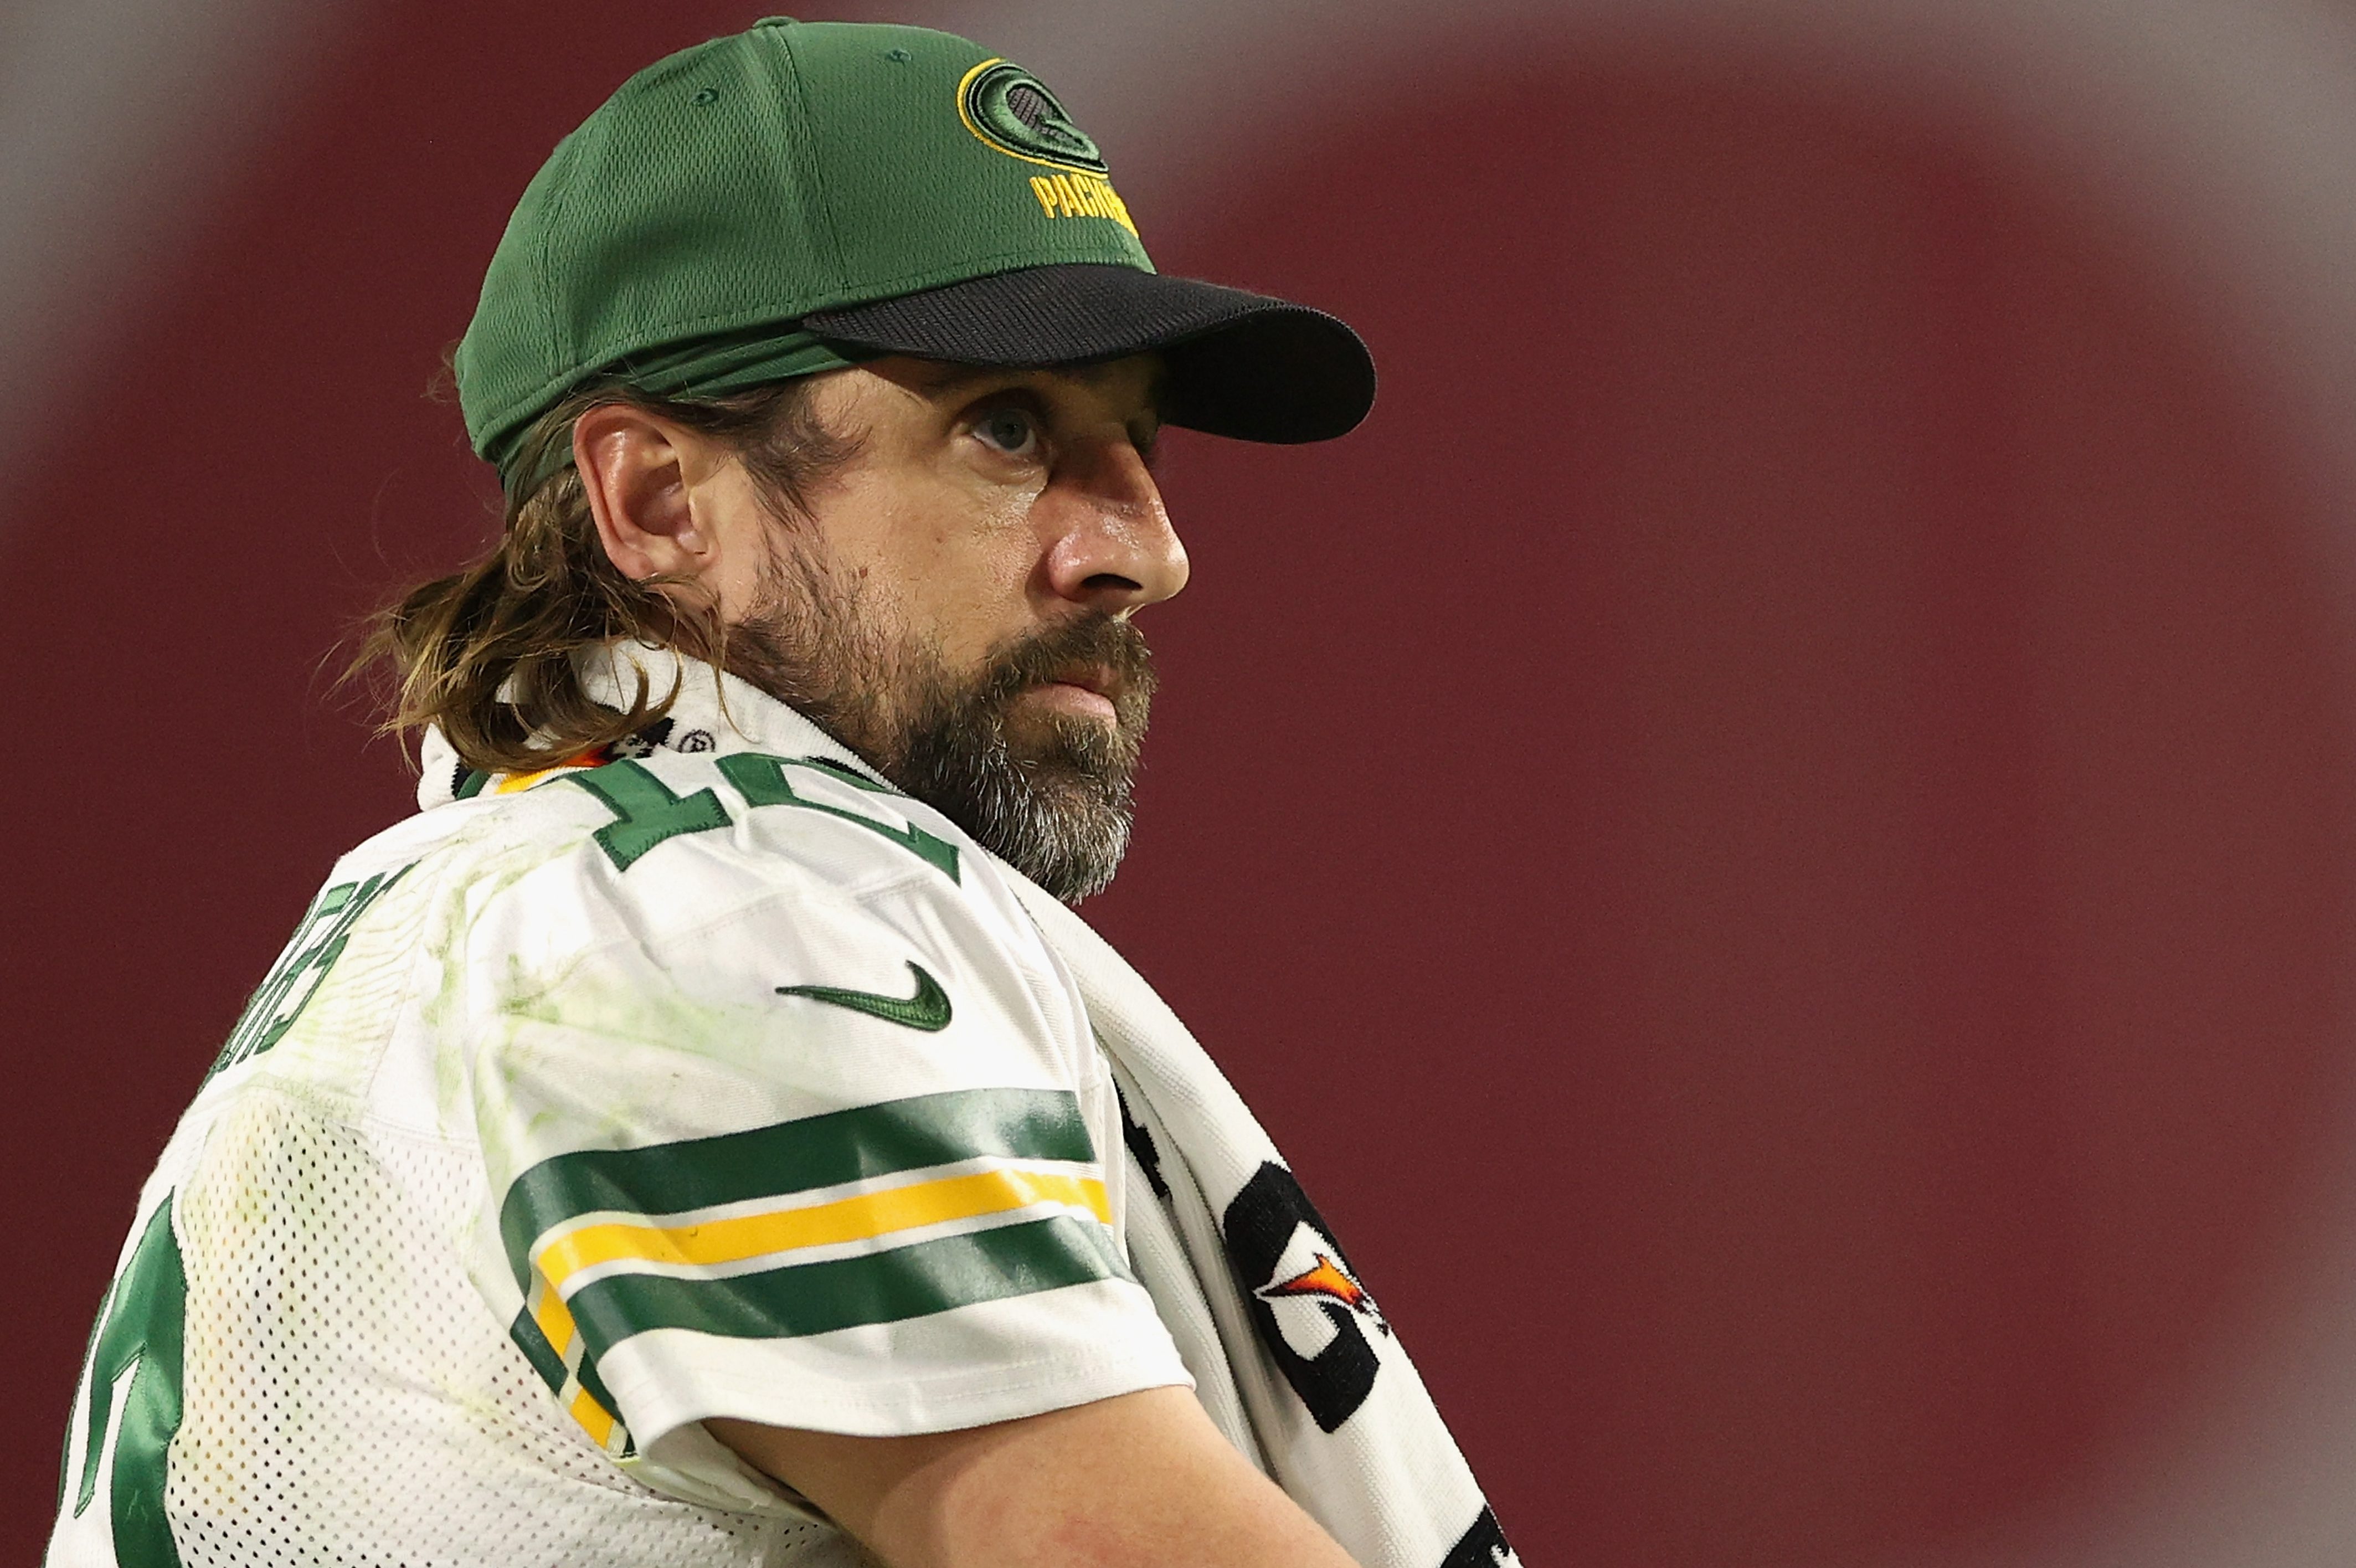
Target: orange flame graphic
(1327,1278)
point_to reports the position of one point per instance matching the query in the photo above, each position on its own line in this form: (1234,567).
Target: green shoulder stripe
(538,1351)
(791,1156)
(846,1293)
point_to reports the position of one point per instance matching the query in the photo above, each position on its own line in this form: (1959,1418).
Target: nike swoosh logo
(928,1010)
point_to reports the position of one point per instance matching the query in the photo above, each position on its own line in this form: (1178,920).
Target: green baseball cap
(805,195)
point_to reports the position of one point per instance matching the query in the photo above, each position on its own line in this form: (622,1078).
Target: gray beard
(1051,796)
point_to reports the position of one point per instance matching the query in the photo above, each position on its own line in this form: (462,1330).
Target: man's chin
(1036,766)
(1052,800)
(1071,845)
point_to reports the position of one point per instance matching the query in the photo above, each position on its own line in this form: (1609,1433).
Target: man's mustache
(1094,642)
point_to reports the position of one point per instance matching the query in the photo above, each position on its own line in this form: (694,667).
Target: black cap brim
(1240,364)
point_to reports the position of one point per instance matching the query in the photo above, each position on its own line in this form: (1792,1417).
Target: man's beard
(1049,794)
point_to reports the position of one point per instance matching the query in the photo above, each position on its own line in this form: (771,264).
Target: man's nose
(1111,545)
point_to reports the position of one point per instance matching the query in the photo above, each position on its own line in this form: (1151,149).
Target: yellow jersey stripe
(555,1320)
(595,1419)
(859,1218)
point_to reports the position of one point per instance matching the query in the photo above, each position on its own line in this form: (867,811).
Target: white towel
(1293,1359)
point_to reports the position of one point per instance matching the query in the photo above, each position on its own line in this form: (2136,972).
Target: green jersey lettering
(645,812)
(761,780)
(317,943)
(142,1328)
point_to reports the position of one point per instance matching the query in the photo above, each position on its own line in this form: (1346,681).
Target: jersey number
(316,944)
(136,1355)
(646,812)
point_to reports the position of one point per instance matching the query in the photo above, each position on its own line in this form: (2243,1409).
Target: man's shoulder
(779,935)
(671,841)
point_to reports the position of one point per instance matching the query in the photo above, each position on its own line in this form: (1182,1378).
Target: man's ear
(634,469)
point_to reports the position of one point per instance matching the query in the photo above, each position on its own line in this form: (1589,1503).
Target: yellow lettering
(1117,210)
(1081,196)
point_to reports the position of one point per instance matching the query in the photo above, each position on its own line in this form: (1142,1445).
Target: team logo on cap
(1012,110)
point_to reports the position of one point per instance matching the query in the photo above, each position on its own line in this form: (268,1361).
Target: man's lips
(1085,689)
(1096,677)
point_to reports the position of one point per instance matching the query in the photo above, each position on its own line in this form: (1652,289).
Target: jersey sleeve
(791,1147)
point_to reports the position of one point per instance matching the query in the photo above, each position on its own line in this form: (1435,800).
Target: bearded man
(701,1135)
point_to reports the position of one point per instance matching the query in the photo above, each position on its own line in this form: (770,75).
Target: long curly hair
(486,655)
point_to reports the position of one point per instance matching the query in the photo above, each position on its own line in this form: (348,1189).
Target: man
(701,1136)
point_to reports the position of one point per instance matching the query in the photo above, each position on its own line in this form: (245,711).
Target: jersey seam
(858,896)
(375,1125)
(432,895)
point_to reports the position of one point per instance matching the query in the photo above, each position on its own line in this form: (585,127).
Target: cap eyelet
(898,57)
(705,97)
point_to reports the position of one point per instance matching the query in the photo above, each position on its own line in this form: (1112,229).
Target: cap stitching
(561,348)
(809,150)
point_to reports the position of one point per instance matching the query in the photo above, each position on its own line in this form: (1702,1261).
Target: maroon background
(1771,835)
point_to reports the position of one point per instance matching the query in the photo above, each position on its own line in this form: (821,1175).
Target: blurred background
(1775,836)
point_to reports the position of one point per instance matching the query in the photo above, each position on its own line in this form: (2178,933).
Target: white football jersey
(719,1079)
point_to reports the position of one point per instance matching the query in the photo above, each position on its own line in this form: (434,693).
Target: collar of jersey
(711,712)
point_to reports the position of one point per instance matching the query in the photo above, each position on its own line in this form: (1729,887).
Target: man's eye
(1010,430)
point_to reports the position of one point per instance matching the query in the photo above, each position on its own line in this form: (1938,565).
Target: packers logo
(1012,110)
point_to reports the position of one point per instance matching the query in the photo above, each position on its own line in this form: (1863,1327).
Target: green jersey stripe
(787,1157)
(848,1293)
(587,1373)
(538,1351)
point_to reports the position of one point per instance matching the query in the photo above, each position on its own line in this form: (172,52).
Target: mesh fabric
(350,1400)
